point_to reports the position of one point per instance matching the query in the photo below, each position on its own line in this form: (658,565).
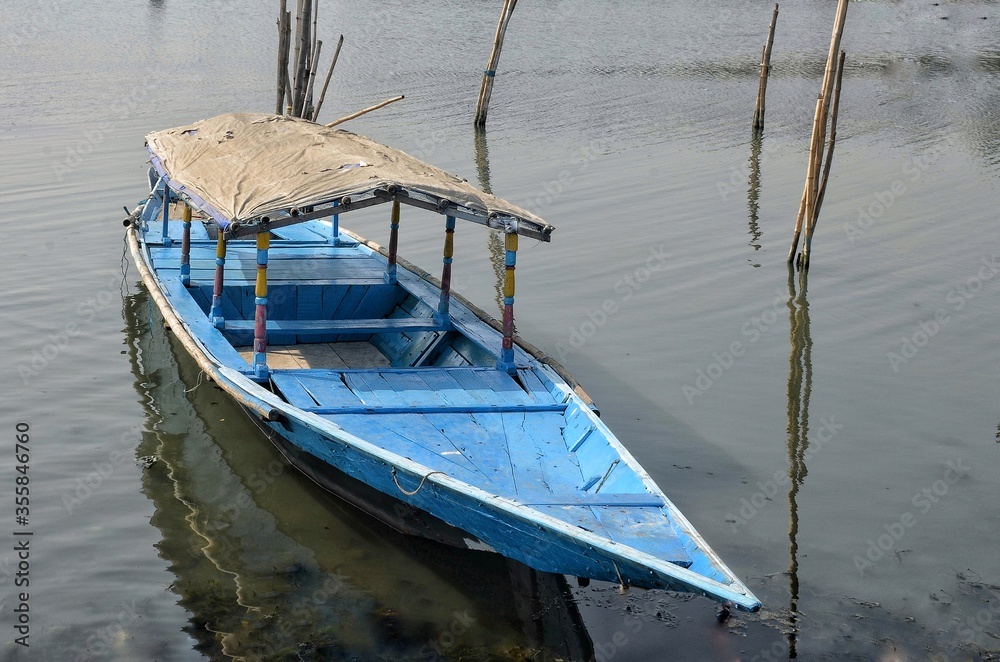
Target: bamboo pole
(313,64)
(362,112)
(798,228)
(326,83)
(303,52)
(814,218)
(287,74)
(282,57)
(486,88)
(765,72)
(832,142)
(298,52)
(307,108)
(807,207)
(815,155)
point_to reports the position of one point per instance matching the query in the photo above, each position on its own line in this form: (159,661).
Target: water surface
(834,438)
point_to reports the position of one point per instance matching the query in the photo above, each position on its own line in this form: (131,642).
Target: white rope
(201,378)
(422,481)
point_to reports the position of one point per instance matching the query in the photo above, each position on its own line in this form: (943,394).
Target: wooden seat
(353,326)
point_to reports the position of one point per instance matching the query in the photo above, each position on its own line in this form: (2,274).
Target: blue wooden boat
(372,377)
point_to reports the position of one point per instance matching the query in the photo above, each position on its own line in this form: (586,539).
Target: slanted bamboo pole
(810,195)
(798,227)
(814,218)
(815,156)
(298,52)
(486,88)
(765,72)
(362,112)
(326,83)
(832,142)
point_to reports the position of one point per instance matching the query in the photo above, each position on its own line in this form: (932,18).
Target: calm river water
(835,440)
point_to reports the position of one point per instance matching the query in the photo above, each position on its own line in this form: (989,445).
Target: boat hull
(341,445)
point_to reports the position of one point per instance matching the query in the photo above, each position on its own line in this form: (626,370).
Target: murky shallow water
(842,457)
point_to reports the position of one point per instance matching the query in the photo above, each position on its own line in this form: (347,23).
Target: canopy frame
(386,187)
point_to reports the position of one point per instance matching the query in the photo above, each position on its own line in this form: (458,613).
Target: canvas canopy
(239,168)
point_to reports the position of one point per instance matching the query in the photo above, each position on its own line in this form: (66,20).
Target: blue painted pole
(507,349)
(215,315)
(260,370)
(390,270)
(166,213)
(336,225)
(186,248)
(449,251)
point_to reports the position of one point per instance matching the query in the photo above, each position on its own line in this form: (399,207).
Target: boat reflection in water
(271,567)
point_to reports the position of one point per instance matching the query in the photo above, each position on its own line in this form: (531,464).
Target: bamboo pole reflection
(753,195)
(494,241)
(799,391)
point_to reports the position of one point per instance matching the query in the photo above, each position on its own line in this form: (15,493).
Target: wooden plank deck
(510,438)
(321,356)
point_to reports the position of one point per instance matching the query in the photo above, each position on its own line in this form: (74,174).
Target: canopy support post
(507,349)
(167,241)
(390,270)
(215,315)
(449,252)
(336,225)
(186,248)
(260,369)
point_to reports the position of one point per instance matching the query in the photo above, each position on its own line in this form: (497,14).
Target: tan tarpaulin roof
(248,165)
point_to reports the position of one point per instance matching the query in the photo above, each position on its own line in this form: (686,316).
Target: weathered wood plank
(314,326)
(617,500)
(189,311)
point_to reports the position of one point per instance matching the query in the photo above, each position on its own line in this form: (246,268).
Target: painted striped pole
(260,370)
(186,248)
(218,320)
(167,241)
(449,252)
(390,270)
(507,348)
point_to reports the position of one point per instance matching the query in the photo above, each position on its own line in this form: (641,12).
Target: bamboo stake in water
(308,108)
(282,57)
(313,62)
(765,72)
(298,52)
(284,72)
(362,112)
(303,48)
(832,142)
(326,83)
(811,226)
(486,89)
(807,207)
